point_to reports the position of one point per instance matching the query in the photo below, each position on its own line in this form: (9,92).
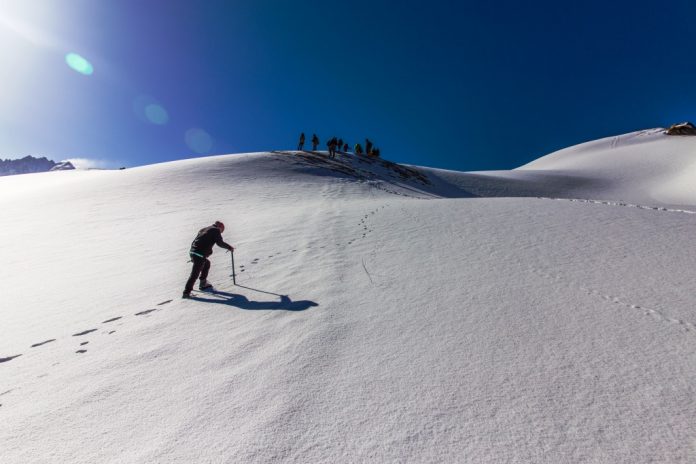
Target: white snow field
(382,314)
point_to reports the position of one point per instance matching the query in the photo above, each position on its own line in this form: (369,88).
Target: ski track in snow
(364,231)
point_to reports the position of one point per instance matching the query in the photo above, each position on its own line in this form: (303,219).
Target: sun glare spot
(150,111)
(199,140)
(156,114)
(79,64)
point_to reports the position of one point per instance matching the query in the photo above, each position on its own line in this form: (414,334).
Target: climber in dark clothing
(368,147)
(201,248)
(332,147)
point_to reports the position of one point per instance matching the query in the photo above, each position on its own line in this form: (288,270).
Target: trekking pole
(234,277)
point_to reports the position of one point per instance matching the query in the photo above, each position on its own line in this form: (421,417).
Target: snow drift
(384,313)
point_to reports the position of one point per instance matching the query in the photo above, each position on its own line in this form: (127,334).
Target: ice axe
(234,276)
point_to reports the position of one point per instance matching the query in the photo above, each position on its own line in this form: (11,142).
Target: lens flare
(198,140)
(79,64)
(156,114)
(148,110)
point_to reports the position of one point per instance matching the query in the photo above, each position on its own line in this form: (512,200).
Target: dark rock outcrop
(683,128)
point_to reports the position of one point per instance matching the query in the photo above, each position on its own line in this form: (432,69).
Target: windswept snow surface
(382,313)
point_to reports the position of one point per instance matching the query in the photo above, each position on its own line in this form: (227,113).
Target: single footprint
(147,311)
(112,319)
(9,358)
(164,302)
(81,351)
(43,343)
(83,343)
(84,333)
(113,331)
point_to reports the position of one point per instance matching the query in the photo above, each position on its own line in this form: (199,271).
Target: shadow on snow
(242,302)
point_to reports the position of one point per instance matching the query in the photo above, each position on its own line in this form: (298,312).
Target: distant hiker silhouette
(345,147)
(368,147)
(301,144)
(315,142)
(358,149)
(201,248)
(331,144)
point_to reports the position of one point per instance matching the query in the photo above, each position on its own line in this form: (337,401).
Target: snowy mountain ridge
(382,313)
(30,164)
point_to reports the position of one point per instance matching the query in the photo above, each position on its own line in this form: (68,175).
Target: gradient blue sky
(457,85)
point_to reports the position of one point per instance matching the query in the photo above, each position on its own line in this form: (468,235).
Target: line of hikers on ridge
(335,145)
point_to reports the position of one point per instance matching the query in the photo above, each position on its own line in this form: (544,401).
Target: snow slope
(644,167)
(383,313)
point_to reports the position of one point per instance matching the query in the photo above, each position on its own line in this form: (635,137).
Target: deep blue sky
(458,85)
